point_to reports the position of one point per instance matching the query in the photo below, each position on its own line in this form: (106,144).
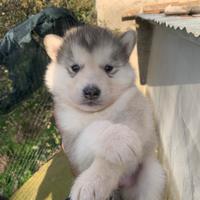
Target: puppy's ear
(52,44)
(128,40)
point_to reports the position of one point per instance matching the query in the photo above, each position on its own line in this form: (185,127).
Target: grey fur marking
(91,37)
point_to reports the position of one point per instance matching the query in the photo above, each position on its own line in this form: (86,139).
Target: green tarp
(22,56)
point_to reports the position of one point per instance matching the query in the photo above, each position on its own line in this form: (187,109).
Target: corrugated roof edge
(189,24)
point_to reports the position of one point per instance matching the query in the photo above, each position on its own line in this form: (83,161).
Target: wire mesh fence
(28,136)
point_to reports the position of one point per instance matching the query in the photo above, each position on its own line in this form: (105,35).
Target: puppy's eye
(108,68)
(75,68)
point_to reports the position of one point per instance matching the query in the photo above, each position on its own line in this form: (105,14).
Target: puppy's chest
(74,122)
(71,122)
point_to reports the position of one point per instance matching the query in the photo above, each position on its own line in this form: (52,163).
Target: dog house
(169,64)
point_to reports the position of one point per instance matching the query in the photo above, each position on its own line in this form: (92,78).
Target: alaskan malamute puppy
(106,123)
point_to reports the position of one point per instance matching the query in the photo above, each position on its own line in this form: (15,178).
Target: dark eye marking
(110,70)
(74,69)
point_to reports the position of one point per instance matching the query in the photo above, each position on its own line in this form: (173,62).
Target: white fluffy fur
(108,142)
(115,143)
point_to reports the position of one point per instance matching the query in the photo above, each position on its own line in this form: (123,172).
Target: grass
(28,135)
(84,10)
(28,138)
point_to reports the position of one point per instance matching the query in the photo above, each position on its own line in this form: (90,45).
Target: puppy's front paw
(90,186)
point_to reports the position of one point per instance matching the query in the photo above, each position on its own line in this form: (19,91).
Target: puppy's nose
(91,92)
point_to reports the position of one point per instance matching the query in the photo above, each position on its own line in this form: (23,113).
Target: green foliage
(84,10)
(28,138)
(28,135)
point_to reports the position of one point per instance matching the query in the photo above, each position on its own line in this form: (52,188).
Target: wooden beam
(156,8)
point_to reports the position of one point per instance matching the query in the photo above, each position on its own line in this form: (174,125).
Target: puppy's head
(90,67)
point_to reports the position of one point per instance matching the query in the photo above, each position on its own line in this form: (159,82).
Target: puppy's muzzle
(91,92)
